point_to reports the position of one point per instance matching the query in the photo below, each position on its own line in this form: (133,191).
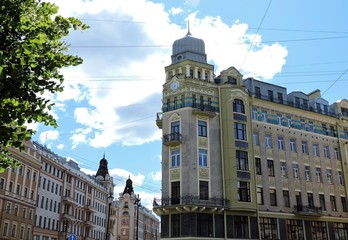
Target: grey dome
(189,48)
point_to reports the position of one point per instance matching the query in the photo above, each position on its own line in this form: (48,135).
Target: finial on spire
(104,155)
(188,28)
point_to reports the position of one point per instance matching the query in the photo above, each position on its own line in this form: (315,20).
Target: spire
(188,29)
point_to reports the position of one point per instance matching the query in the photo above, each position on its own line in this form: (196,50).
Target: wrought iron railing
(190,200)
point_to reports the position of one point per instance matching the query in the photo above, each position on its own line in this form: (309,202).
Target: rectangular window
(283,171)
(294,229)
(326,152)
(240,131)
(280,98)
(270,168)
(281,143)
(10,187)
(333,203)
(341,230)
(307,173)
(293,145)
(268,140)
(258,166)
(203,190)
(259,195)
(344,204)
(5,229)
(256,138)
(322,202)
(175,225)
(279,119)
(264,116)
(175,127)
(257,92)
(273,197)
(2,183)
(329,175)
(319,230)
(303,124)
(318,174)
(14,230)
(295,170)
(203,157)
(254,114)
(242,160)
(238,106)
(304,146)
(288,121)
(310,200)
(243,191)
(202,128)
(175,192)
(340,177)
(241,226)
(337,154)
(286,199)
(315,150)
(176,158)
(268,228)
(310,126)
(270,96)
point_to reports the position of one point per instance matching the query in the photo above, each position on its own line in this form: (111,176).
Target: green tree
(32,53)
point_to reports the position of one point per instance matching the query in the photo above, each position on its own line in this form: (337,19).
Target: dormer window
(231,80)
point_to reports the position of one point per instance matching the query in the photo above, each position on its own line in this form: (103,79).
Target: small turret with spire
(129,187)
(103,171)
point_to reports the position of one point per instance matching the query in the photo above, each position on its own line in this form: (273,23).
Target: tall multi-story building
(134,221)
(243,159)
(48,198)
(18,195)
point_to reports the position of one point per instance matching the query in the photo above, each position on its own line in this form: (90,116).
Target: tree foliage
(32,52)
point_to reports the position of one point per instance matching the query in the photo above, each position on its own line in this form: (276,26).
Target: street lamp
(110,199)
(138,204)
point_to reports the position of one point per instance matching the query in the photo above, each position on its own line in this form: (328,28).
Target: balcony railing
(307,210)
(190,200)
(172,139)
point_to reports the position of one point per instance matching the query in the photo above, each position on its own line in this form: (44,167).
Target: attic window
(231,80)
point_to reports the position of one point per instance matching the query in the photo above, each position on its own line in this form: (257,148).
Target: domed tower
(189,48)
(200,115)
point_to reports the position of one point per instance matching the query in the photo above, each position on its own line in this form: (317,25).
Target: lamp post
(138,204)
(110,199)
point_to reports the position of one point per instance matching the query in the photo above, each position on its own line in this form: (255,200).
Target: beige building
(134,221)
(244,159)
(18,195)
(49,198)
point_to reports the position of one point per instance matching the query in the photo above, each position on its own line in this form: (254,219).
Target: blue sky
(110,102)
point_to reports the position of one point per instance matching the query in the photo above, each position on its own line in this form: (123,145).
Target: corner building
(242,159)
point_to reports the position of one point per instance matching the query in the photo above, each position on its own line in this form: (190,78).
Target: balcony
(190,200)
(68,200)
(89,223)
(189,204)
(204,110)
(172,139)
(90,208)
(67,216)
(159,120)
(307,210)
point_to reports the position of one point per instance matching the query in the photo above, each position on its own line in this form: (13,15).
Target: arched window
(238,106)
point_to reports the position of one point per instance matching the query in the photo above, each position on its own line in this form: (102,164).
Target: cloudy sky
(110,102)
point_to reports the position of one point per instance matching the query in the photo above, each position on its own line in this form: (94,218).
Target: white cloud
(123,85)
(48,135)
(175,11)
(60,146)
(156,176)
